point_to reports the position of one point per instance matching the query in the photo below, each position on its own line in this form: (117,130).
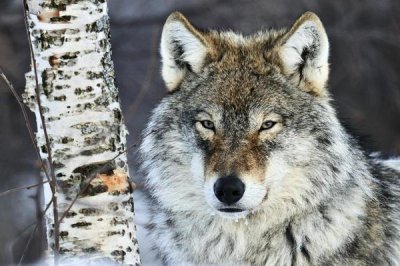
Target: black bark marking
(101,168)
(44,149)
(70,214)
(94,190)
(61,98)
(113,206)
(63,250)
(58,165)
(119,253)
(81,224)
(117,220)
(63,234)
(112,233)
(89,211)
(90,250)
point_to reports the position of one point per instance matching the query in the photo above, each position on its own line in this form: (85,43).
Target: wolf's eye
(267,125)
(208,124)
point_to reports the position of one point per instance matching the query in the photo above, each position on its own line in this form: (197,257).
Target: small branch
(21,260)
(93,176)
(22,188)
(28,244)
(27,124)
(53,185)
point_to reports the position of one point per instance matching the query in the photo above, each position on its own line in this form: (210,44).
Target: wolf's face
(244,117)
(236,127)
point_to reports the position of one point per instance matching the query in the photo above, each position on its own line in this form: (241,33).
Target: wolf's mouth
(230,210)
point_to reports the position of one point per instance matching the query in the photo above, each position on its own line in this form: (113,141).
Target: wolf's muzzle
(229,189)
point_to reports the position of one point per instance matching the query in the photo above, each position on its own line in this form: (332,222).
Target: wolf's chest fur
(345,233)
(248,132)
(325,235)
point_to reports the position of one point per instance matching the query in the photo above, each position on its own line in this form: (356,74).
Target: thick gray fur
(325,201)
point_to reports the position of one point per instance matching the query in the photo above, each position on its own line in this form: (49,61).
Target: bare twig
(28,244)
(27,124)
(41,231)
(21,188)
(48,147)
(93,176)
(21,260)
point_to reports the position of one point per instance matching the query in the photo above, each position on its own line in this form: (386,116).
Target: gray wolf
(246,162)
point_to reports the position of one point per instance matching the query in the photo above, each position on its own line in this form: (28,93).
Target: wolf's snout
(229,189)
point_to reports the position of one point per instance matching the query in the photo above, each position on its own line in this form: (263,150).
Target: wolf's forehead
(244,79)
(234,50)
(242,70)
(244,88)
(241,61)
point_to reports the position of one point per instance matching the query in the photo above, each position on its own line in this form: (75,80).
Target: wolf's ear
(304,52)
(183,49)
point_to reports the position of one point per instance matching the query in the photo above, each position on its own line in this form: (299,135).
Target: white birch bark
(71,45)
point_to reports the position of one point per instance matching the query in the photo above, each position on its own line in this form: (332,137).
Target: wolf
(246,162)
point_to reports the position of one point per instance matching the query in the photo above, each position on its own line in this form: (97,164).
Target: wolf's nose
(229,189)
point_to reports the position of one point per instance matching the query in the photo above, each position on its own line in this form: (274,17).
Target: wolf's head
(247,124)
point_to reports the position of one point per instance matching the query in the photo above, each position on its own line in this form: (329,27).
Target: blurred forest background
(364,81)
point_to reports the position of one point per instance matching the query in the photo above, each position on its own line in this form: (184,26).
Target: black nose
(229,189)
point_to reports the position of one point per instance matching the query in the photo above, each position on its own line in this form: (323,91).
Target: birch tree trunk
(70,41)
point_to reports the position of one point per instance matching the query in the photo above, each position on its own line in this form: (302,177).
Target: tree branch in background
(21,260)
(53,184)
(26,119)
(22,188)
